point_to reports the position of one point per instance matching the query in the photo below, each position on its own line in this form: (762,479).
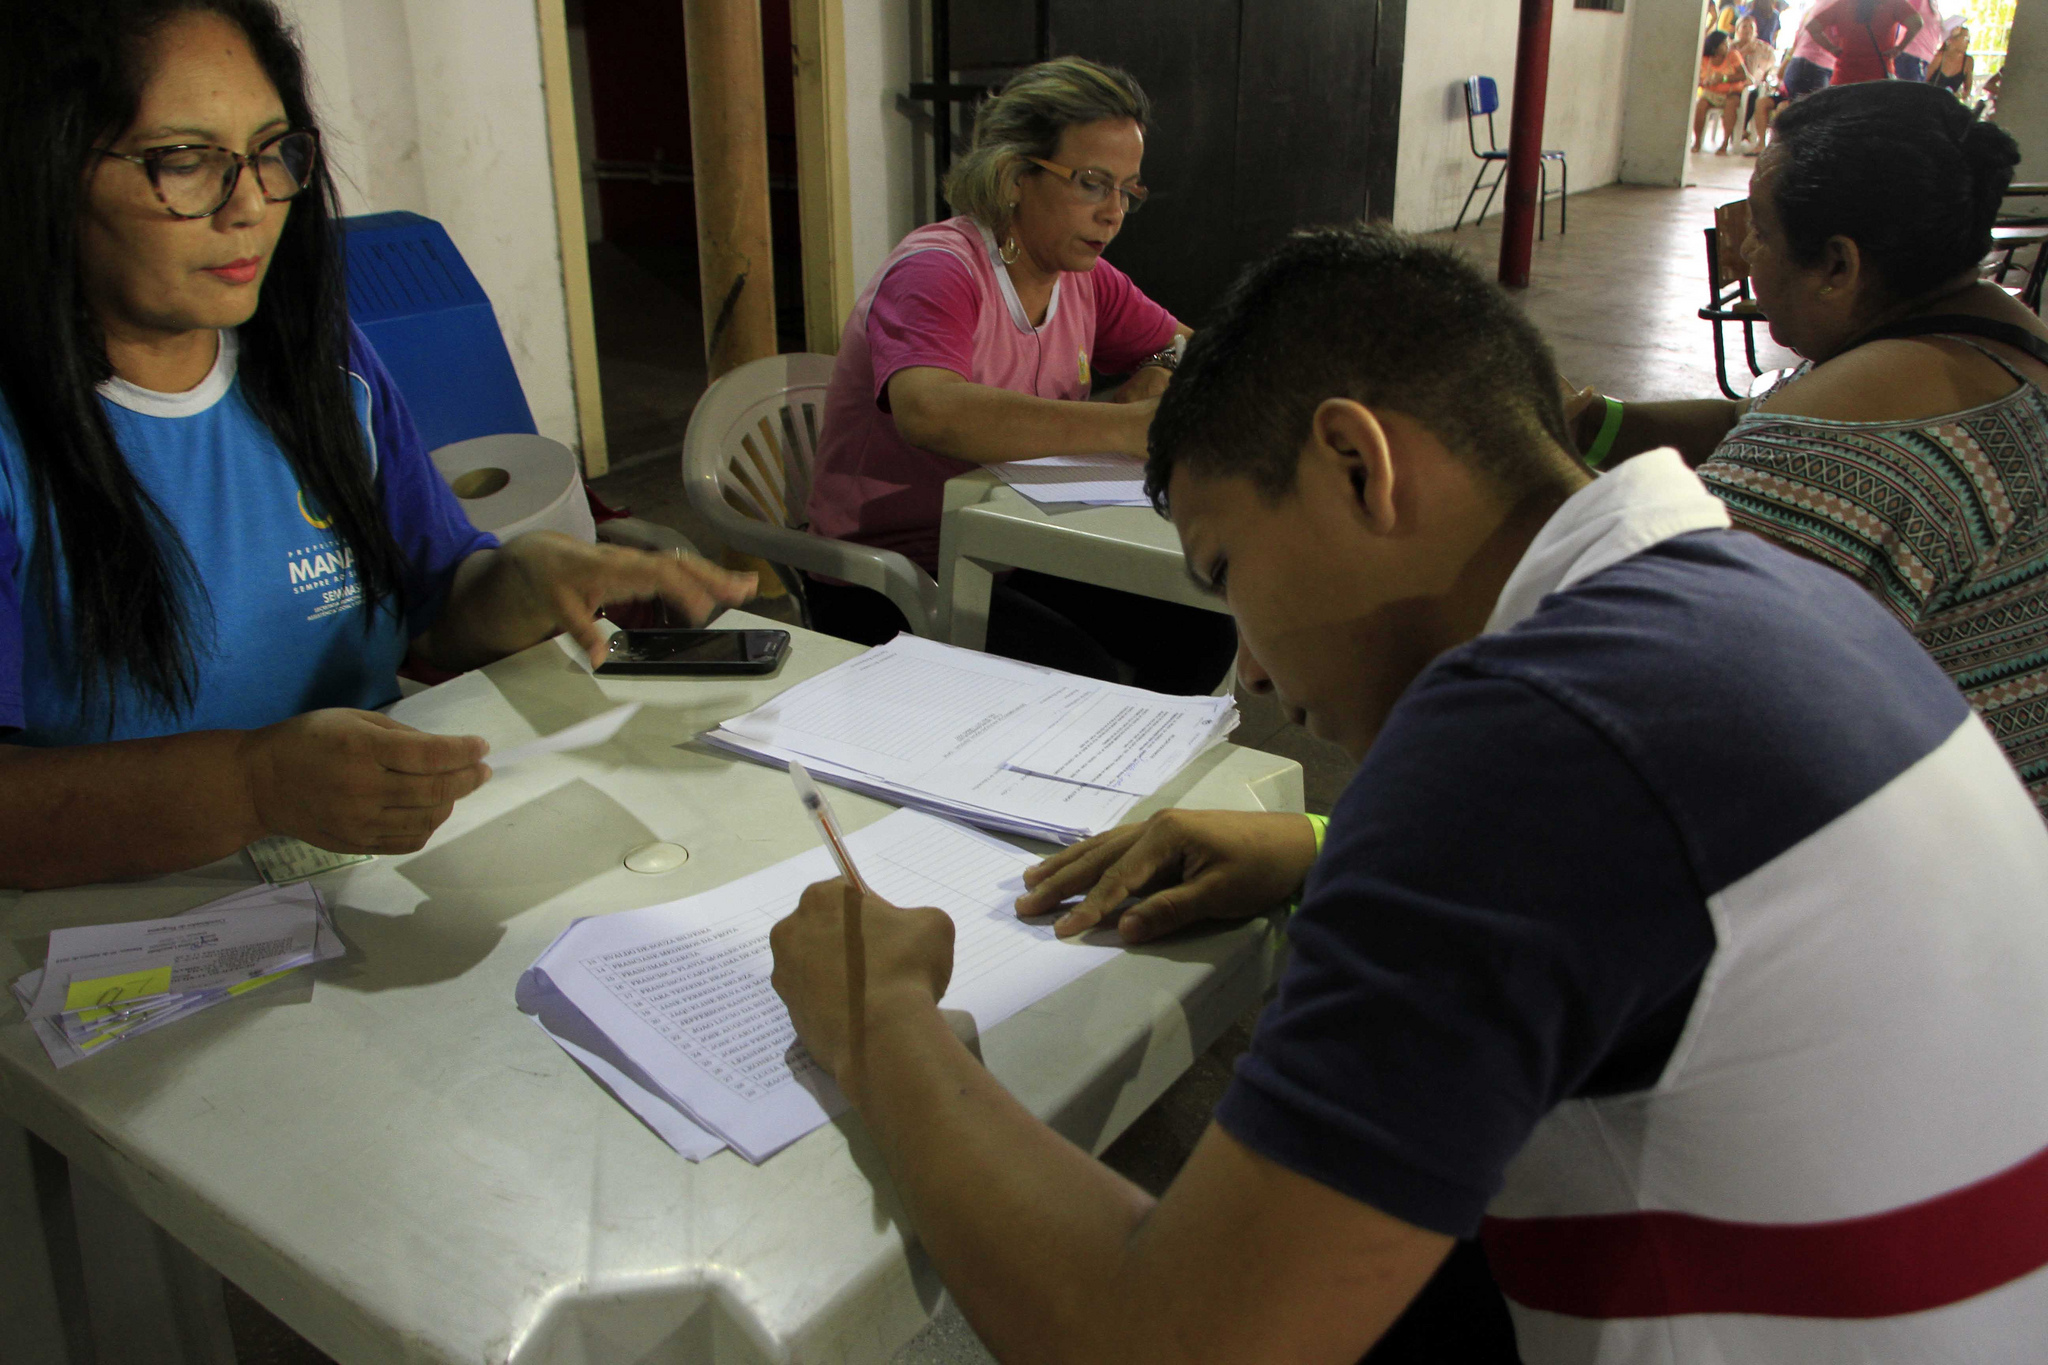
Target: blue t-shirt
(1511,908)
(280,623)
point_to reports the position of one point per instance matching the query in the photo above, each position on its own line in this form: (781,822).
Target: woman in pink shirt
(977,342)
(1864,36)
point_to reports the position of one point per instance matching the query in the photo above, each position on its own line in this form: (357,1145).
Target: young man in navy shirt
(1681,933)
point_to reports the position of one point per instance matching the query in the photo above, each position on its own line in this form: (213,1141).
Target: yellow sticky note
(254,982)
(112,990)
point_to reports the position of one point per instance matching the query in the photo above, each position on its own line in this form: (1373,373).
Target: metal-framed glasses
(1092,186)
(194,180)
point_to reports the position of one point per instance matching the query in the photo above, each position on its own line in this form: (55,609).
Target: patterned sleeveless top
(1944,520)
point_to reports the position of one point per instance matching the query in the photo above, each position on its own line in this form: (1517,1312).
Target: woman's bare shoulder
(1914,378)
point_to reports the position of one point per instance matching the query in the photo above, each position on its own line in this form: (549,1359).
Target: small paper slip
(1129,745)
(680,994)
(1094,480)
(106,983)
(283,860)
(584,734)
(943,729)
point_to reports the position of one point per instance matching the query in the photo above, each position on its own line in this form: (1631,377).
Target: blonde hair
(1025,119)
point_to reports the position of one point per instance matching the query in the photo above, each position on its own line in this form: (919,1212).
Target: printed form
(1093,480)
(941,728)
(682,989)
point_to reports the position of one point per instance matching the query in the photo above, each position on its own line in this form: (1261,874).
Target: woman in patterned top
(1910,451)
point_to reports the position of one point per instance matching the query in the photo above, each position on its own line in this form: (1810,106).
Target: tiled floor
(1616,294)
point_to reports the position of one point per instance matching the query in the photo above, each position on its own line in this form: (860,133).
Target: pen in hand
(850,910)
(827,823)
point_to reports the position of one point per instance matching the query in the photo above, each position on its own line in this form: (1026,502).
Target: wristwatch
(1168,359)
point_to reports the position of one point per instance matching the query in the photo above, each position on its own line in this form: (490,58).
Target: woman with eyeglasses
(219,533)
(978,341)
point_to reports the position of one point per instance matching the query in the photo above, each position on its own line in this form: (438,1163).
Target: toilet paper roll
(516,483)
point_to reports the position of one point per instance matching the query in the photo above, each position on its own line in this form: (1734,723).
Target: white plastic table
(404,1168)
(987,526)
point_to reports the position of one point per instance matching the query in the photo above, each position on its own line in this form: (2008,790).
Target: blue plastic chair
(1482,96)
(416,300)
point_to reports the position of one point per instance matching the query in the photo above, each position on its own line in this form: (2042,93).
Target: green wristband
(1610,427)
(1321,825)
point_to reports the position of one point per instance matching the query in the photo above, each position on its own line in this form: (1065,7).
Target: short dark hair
(1717,39)
(1902,169)
(1370,314)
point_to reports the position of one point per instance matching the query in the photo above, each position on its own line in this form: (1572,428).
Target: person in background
(1807,68)
(1953,68)
(1863,36)
(1759,63)
(219,533)
(1910,450)
(1768,15)
(1723,78)
(1911,64)
(1681,933)
(978,341)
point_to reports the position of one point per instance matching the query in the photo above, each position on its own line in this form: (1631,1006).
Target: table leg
(969,586)
(32,1320)
(152,1301)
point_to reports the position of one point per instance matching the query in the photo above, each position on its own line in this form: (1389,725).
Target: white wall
(2023,94)
(1449,40)
(882,144)
(435,106)
(1663,66)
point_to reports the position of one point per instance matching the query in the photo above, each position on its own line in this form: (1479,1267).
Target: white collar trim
(1009,286)
(190,403)
(1642,503)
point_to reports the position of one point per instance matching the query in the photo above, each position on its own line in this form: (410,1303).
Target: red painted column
(1525,143)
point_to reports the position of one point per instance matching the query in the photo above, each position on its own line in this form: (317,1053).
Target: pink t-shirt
(1805,46)
(942,299)
(1928,39)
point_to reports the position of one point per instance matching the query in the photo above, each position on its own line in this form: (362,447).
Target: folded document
(1005,745)
(1086,480)
(106,983)
(670,1007)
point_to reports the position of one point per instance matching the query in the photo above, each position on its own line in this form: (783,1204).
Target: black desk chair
(1482,96)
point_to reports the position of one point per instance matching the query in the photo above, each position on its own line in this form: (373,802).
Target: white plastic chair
(747,459)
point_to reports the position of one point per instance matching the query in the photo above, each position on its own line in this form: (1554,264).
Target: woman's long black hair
(71,77)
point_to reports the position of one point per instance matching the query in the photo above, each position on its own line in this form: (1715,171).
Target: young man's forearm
(1027,1230)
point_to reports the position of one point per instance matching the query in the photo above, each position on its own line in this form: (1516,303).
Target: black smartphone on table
(693,653)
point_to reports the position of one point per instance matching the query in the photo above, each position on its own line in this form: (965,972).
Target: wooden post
(569,227)
(817,28)
(1525,144)
(729,155)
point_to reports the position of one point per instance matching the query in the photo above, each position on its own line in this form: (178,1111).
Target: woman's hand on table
(847,965)
(1182,865)
(1149,382)
(357,782)
(564,581)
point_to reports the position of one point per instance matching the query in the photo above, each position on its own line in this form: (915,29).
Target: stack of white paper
(1085,480)
(670,1007)
(107,983)
(996,743)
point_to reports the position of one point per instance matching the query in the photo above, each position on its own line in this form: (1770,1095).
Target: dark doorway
(1268,115)
(640,199)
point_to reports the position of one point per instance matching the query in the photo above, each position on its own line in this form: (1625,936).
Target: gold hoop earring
(1009,250)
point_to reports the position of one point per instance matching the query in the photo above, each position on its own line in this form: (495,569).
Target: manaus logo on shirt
(317,523)
(1084,369)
